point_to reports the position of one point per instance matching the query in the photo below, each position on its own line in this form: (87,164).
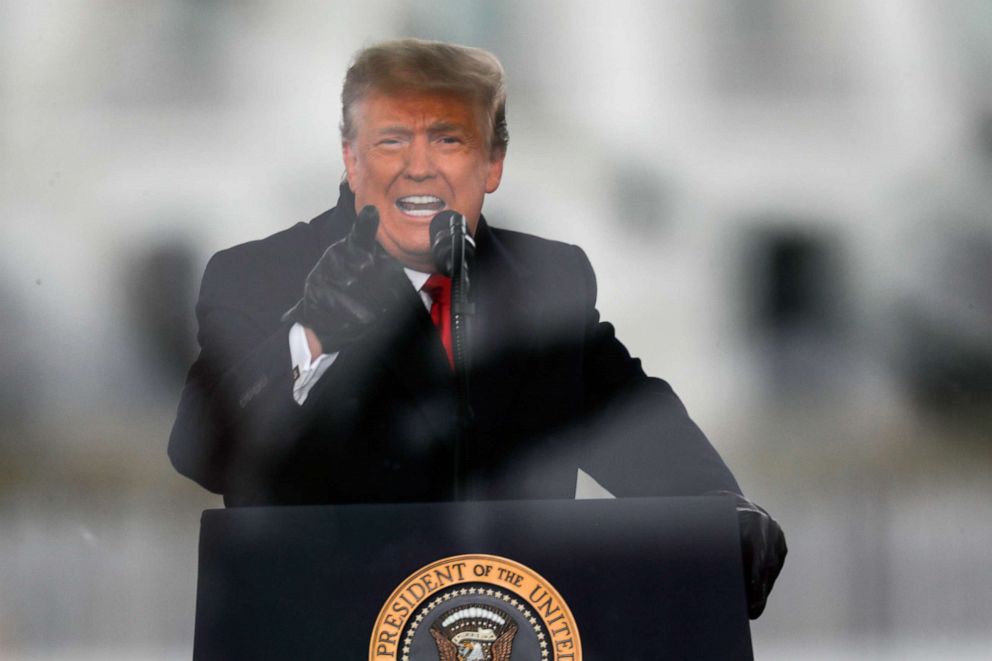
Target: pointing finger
(363,233)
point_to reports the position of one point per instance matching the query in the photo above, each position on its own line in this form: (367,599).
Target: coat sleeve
(645,444)
(236,408)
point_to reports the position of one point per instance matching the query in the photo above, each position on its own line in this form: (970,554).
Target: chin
(414,255)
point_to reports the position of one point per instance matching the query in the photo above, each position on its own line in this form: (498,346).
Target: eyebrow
(445,127)
(437,127)
(395,129)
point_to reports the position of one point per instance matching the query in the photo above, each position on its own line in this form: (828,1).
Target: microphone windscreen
(442,238)
(441,224)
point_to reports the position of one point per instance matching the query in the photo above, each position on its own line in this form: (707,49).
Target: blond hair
(406,66)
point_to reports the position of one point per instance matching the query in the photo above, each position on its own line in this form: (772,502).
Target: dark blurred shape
(795,285)
(19,388)
(984,135)
(946,348)
(794,299)
(161,293)
(642,200)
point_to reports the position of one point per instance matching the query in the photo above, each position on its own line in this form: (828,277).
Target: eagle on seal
(473,650)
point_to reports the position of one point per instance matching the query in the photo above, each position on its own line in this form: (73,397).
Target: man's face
(414,156)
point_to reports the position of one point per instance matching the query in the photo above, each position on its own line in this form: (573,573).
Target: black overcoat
(552,389)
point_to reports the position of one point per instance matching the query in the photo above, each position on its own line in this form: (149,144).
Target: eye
(391,140)
(450,140)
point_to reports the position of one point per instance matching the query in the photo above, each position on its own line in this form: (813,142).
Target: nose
(420,161)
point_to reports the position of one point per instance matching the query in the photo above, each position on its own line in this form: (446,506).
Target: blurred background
(788,204)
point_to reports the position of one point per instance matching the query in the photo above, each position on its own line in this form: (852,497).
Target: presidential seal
(475,608)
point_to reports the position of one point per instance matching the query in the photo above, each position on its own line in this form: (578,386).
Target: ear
(350,158)
(495,173)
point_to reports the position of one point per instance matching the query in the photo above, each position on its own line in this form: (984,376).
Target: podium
(611,580)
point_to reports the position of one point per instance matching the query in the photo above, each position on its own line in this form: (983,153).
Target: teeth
(420,205)
(419,212)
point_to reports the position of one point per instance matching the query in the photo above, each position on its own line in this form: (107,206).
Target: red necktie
(438,287)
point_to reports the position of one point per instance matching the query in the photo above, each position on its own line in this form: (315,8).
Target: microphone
(449,230)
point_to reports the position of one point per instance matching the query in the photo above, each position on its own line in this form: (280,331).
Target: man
(350,396)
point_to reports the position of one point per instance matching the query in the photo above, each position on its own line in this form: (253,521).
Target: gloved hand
(351,288)
(763,547)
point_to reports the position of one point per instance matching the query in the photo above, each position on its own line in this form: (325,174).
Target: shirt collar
(417,278)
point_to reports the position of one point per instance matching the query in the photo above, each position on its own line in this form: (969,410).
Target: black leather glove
(763,547)
(353,286)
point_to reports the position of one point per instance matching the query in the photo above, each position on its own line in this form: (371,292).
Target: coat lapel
(505,329)
(418,362)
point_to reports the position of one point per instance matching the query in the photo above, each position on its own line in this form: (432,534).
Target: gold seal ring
(475,606)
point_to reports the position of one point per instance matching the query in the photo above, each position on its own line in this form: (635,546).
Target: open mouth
(420,205)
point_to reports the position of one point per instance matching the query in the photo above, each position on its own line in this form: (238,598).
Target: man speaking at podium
(329,370)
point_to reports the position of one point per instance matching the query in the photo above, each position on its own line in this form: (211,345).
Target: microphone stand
(461,310)
(462,248)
